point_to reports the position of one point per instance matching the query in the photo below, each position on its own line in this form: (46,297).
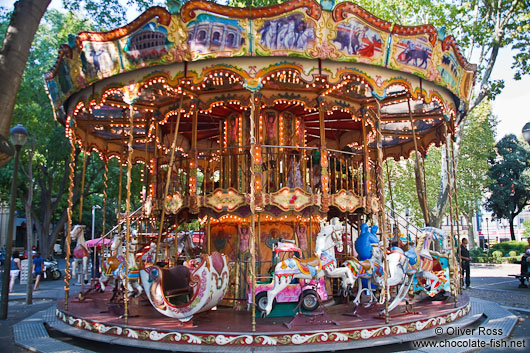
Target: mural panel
(449,69)
(414,52)
(355,38)
(150,42)
(100,59)
(293,32)
(347,34)
(212,34)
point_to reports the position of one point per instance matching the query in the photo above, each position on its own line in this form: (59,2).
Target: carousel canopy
(295,58)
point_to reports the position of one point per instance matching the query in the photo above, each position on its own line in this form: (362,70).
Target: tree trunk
(512,231)
(471,230)
(420,190)
(14,54)
(29,226)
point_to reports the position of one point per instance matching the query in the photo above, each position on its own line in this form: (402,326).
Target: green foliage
(506,247)
(496,254)
(404,184)
(510,186)
(477,252)
(512,253)
(108,14)
(477,146)
(52,149)
(526,231)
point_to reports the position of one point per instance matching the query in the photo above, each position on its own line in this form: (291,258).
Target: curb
(31,334)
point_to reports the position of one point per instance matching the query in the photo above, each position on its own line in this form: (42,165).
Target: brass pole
(455,189)
(105,186)
(381,196)
(366,158)
(81,197)
(252,244)
(128,213)
(451,238)
(171,161)
(208,230)
(119,196)
(67,275)
(417,155)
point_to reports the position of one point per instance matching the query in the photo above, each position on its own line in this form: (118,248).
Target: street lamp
(526,132)
(94,208)
(18,137)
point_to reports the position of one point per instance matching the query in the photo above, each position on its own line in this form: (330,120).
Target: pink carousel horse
(81,254)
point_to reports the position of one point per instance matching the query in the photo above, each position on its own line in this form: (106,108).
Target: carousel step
(31,334)
(498,325)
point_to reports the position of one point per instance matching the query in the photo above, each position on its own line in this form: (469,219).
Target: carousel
(268,128)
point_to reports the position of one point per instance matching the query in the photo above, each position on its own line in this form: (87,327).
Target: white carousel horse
(115,267)
(80,262)
(403,266)
(323,264)
(371,269)
(184,290)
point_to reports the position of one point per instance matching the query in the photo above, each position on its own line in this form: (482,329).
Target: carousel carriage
(259,124)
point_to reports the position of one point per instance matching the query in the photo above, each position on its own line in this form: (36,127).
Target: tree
(23,24)
(479,26)
(48,169)
(476,148)
(510,175)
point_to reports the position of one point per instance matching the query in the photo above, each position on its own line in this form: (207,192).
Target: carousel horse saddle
(175,281)
(80,252)
(310,266)
(365,264)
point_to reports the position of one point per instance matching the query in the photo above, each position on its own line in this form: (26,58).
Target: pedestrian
(38,269)
(15,269)
(465,262)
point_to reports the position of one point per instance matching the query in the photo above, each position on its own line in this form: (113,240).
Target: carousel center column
(381,198)
(130,97)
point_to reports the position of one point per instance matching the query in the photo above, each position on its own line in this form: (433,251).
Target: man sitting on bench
(525,274)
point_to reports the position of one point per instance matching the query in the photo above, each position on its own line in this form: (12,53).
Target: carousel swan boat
(181,291)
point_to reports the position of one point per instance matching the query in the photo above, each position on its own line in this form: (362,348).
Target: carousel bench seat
(175,281)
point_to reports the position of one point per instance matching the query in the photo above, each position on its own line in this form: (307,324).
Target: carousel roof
(294,56)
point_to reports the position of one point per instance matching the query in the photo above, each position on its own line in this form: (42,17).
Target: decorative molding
(346,200)
(164,17)
(189,9)
(244,339)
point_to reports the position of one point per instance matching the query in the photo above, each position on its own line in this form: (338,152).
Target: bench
(175,284)
(524,275)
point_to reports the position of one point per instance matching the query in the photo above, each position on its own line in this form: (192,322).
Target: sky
(512,106)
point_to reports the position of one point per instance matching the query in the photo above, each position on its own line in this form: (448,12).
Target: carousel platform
(226,330)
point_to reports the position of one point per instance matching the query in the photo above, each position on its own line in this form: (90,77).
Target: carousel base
(224,330)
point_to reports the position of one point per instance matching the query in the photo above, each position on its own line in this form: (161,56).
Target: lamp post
(94,270)
(94,208)
(18,136)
